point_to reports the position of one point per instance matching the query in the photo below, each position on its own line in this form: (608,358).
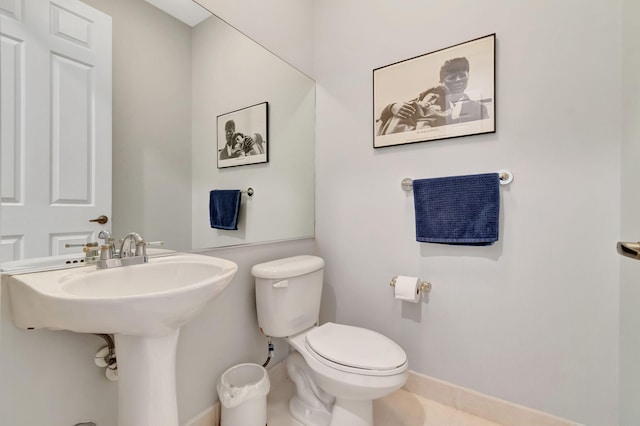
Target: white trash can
(243,390)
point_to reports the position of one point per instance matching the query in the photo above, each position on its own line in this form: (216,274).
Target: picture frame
(242,136)
(443,94)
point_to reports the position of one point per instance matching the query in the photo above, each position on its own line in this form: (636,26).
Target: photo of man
(239,144)
(244,138)
(446,108)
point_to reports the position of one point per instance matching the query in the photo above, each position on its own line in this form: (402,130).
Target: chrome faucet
(139,246)
(133,251)
(105,235)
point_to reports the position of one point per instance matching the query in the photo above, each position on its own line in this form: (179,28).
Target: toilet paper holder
(425,286)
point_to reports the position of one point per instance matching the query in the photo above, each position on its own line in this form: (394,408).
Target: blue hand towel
(458,210)
(224,206)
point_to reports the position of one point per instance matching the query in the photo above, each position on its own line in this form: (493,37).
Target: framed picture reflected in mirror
(243,135)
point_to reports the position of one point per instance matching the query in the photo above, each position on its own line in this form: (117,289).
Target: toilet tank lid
(288,267)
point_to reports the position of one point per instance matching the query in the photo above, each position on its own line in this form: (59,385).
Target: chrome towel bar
(506,177)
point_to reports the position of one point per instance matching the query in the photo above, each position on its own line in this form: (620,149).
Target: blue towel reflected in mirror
(224,208)
(458,210)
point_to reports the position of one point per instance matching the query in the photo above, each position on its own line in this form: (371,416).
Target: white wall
(630,226)
(151,122)
(285,27)
(231,72)
(534,318)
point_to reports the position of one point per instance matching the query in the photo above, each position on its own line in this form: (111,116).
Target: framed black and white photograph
(243,135)
(443,94)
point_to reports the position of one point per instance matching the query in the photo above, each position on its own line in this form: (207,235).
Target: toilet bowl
(354,365)
(338,369)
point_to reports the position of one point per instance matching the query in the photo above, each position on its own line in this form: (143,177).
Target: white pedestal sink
(144,306)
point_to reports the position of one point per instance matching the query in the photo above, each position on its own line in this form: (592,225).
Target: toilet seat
(355,350)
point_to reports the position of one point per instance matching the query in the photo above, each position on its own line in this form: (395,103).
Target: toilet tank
(288,293)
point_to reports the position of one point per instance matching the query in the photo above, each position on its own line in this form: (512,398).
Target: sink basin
(151,299)
(143,306)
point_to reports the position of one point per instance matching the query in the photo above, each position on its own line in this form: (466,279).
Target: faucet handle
(90,250)
(141,247)
(90,246)
(67,245)
(107,252)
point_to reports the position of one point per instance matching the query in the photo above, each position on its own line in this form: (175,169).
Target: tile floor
(401,408)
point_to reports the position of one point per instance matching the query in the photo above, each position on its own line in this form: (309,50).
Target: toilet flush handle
(281,284)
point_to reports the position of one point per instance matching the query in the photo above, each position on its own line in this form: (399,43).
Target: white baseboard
(480,405)
(467,400)
(209,417)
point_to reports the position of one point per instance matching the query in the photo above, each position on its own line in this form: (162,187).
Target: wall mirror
(170,78)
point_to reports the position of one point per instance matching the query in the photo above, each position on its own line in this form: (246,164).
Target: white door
(56,125)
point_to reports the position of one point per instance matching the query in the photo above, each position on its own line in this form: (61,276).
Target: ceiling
(187,11)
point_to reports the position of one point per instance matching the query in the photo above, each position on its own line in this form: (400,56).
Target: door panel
(56,149)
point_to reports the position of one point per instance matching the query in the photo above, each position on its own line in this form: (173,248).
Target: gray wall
(285,27)
(231,72)
(630,227)
(151,123)
(534,318)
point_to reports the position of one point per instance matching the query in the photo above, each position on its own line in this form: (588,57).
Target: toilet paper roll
(407,289)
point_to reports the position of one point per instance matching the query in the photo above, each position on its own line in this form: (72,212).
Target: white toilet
(338,369)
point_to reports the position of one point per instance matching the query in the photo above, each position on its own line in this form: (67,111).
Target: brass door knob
(629,249)
(102,219)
